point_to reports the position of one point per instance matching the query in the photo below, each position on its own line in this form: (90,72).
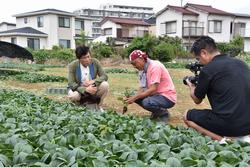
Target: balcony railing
(192,31)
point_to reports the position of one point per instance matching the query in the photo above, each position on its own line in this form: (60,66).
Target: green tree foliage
(100,50)
(164,52)
(163,48)
(233,48)
(82,40)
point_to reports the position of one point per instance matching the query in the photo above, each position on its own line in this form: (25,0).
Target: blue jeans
(157,104)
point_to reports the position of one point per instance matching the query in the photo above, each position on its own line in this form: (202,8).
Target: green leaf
(148,156)
(173,162)
(187,162)
(201,163)
(228,156)
(4,160)
(212,155)
(244,164)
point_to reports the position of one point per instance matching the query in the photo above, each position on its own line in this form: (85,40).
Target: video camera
(194,67)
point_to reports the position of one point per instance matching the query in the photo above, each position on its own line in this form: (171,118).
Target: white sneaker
(244,138)
(101,109)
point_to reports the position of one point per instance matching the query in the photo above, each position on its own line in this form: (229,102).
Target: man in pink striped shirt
(157,92)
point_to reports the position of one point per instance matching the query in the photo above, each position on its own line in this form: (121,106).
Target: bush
(155,47)
(100,50)
(64,54)
(145,44)
(233,48)
(41,55)
(163,52)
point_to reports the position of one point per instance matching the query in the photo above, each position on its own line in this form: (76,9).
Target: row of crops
(36,131)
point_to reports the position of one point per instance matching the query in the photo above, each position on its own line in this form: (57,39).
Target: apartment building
(43,29)
(111,10)
(194,20)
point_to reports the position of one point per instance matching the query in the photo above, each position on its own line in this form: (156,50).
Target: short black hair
(81,50)
(204,42)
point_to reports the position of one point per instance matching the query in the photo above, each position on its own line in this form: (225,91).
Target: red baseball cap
(136,54)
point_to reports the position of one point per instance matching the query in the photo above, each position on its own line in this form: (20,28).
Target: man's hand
(192,88)
(130,100)
(88,83)
(91,89)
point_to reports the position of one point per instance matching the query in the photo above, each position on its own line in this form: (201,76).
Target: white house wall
(5,39)
(168,15)
(244,20)
(88,27)
(133,31)
(50,28)
(110,24)
(3,27)
(225,35)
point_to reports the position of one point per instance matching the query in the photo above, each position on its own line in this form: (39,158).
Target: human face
(204,57)
(138,64)
(85,60)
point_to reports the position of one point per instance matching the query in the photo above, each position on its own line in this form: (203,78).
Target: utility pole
(181,2)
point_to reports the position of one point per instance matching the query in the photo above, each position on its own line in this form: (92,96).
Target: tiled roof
(208,9)
(125,21)
(151,20)
(45,11)
(23,31)
(178,9)
(242,15)
(11,24)
(182,10)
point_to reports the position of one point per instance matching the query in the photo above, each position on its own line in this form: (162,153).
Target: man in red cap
(157,92)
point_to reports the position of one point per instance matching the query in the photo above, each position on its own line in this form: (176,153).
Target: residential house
(43,29)
(124,28)
(111,10)
(4,26)
(194,20)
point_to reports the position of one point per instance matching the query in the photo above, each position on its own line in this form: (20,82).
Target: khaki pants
(102,91)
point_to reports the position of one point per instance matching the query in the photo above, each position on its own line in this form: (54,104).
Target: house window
(214,26)
(108,31)
(64,43)
(64,22)
(239,29)
(33,43)
(79,25)
(40,21)
(13,40)
(96,24)
(171,27)
(25,20)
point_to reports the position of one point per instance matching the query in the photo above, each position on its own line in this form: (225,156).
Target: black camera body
(194,67)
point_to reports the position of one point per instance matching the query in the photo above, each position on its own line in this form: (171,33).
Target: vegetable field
(39,132)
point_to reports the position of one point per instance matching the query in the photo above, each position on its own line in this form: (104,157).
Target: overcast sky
(11,7)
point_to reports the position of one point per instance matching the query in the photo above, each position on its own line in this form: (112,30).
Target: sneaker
(101,109)
(163,118)
(244,139)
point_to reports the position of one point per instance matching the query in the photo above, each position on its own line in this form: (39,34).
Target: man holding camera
(157,92)
(226,82)
(87,80)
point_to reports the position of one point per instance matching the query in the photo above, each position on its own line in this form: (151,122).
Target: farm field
(44,130)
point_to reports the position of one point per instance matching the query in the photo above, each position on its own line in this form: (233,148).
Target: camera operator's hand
(88,83)
(91,89)
(192,88)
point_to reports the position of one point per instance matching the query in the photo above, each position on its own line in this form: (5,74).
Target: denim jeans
(157,104)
